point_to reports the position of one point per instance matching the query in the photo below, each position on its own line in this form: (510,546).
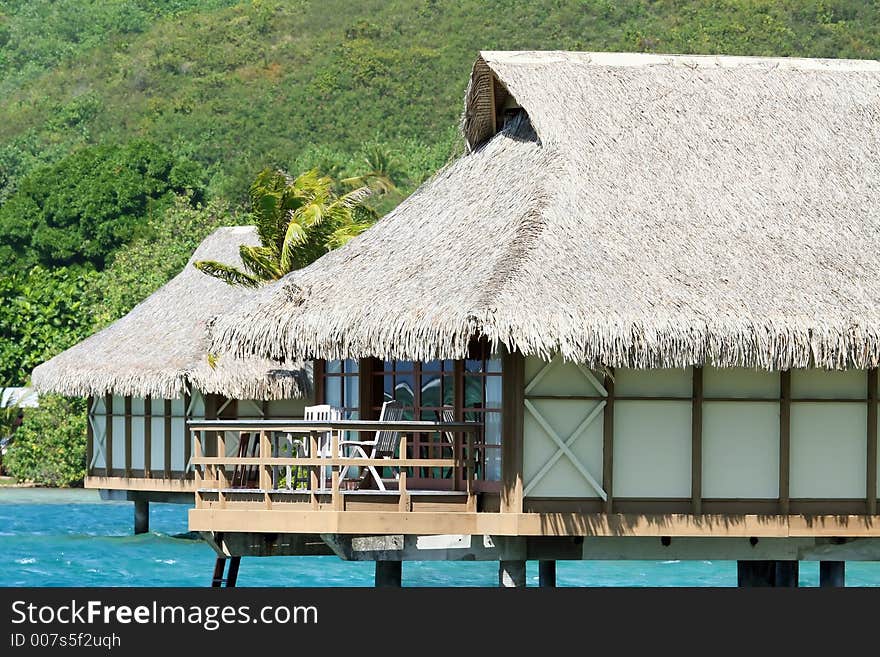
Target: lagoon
(51,537)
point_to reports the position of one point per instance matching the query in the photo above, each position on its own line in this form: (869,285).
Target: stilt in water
(389,574)
(220,566)
(832,573)
(767,573)
(546,574)
(512,574)
(141,516)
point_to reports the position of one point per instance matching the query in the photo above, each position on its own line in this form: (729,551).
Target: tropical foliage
(130,128)
(298,220)
(50,445)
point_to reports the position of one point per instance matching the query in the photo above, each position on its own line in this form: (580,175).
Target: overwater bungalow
(642,310)
(148,373)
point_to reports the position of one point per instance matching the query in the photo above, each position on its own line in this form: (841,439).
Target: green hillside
(217,90)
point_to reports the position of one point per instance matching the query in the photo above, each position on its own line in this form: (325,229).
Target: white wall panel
(828,450)
(740,450)
(563,479)
(653,383)
(740,382)
(823,384)
(157,444)
(137,442)
(118,441)
(652,449)
(561,378)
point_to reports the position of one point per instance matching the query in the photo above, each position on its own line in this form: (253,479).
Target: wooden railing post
(265,468)
(336,495)
(197,473)
(471,498)
(222,477)
(313,469)
(401,484)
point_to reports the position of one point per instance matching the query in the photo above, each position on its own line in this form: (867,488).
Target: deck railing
(213,472)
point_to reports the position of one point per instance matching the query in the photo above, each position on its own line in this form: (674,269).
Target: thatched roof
(160,347)
(666,211)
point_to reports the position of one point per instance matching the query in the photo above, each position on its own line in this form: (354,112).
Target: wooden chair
(384,445)
(246,476)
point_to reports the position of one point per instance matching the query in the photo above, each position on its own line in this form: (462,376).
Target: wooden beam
(140,484)
(512,409)
(608,442)
(365,388)
(784,440)
(187,438)
(128,435)
(167,438)
(319,367)
(90,434)
(108,434)
(697,442)
(148,437)
(212,518)
(871,478)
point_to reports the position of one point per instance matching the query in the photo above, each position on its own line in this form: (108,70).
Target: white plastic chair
(384,445)
(322,413)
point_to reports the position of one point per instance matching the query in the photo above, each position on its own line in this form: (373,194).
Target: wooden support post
(786,574)
(167,417)
(403,505)
(513,407)
(871,479)
(512,574)
(547,574)
(336,496)
(313,470)
(697,442)
(187,447)
(469,474)
(219,567)
(608,442)
(222,475)
(148,437)
(127,411)
(232,576)
(389,574)
(108,435)
(265,469)
(832,573)
(90,435)
(767,573)
(784,440)
(755,573)
(141,516)
(197,474)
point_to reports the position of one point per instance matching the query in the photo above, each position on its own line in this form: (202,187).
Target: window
(341,387)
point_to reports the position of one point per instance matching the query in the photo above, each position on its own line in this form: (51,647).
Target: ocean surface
(72,538)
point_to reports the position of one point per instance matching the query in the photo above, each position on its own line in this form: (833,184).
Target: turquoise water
(71,538)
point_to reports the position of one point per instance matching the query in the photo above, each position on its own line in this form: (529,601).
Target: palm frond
(227,274)
(261,261)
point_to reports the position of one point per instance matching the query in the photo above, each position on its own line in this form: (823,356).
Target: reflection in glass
(473,392)
(493,392)
(493,437)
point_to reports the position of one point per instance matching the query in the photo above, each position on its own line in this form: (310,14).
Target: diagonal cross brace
(563,448)
(531,385)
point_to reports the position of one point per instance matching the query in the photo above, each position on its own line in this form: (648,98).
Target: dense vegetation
(50,446)
(130,128)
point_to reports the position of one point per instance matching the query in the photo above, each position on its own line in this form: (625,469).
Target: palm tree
(383,169)
(298,220)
